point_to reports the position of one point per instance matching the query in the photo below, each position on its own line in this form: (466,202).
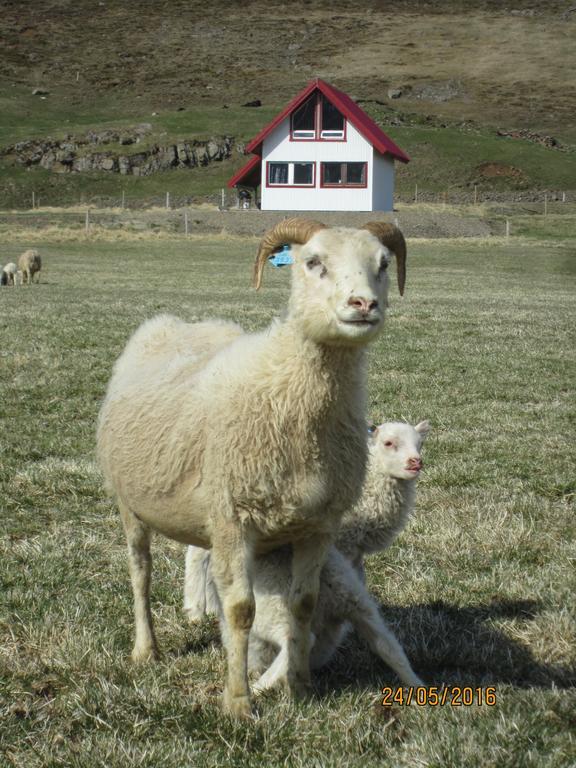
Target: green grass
(479,588)
(443,160)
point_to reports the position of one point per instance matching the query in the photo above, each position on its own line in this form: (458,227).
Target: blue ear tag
(282,258)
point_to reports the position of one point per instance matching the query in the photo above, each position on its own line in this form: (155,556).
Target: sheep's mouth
(360,322)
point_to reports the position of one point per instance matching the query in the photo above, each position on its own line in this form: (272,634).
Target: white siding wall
(278,148)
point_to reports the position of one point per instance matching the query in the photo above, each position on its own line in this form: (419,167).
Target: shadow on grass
(449,644)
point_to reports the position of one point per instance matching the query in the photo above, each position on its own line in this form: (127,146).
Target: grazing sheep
(255,441)
(9,274)
(381,513)
(30,264)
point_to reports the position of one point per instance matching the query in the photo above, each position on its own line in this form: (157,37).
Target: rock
(255,103)
(395,93)
(40,92)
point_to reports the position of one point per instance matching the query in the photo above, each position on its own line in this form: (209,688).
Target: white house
(321,153)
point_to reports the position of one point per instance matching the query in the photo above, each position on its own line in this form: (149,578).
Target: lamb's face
(340,286)
(395,449)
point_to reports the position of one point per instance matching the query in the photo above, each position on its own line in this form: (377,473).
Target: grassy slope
(443,160)
(479,588)
(508,70)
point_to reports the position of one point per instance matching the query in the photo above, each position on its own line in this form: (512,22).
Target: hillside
(441,77)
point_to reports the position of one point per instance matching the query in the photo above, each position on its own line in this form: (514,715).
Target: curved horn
(390,236)
(294,230)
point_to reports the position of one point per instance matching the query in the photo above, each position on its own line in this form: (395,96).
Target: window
(303,173)
(291,174)
(304,120)
(317,119)
(344,174)
(332,122)
(278,173)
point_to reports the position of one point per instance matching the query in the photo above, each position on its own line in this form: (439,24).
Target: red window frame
(317,124)
(324,185)
(291,186)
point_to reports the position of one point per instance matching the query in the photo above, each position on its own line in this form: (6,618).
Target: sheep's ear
(423,428)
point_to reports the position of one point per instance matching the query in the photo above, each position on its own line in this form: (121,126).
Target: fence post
(87,223)
(167,200)
(223,198)
(563,197)
(416,194)
(507,228)
(545,205)
(33,199)
(475,194)
(123,199)
(186,222)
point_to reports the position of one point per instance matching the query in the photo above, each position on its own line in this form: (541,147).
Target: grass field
(480,588)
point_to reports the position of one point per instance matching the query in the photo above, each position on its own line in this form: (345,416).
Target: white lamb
(9,274)
(255,441)
(381,513)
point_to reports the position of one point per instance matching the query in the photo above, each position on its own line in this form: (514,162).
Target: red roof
(351,111)
(248,175)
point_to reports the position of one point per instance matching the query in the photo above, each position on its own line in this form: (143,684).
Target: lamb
(30,263)
(9,274)
(381,513)
(256,441)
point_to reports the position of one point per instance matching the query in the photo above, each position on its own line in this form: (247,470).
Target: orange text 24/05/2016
(435,696)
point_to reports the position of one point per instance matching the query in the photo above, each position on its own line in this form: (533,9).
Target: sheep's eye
(315,262)
(383,265)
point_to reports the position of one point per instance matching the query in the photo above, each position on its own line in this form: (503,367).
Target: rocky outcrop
(103,151)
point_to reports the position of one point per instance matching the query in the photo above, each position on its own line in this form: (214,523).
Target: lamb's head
(395,449)
(339,276)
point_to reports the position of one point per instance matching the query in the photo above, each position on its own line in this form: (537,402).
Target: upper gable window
(317,119)
(304,120)
(332,126)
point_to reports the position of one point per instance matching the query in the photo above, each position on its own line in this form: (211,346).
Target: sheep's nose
(415,463)
(361,304)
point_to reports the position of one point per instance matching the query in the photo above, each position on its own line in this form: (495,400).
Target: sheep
(9,274)
(381,513)
(30,264)
(255,442)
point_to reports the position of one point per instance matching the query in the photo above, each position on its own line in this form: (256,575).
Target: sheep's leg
(140,564)
(275,672)
(361,609)
(200,596)
(231,565)
(307,560)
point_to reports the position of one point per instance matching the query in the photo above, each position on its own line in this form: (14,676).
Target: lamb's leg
(200,596)
(140,564)
(231,565)
(359,607)
(275,672)
(307,560)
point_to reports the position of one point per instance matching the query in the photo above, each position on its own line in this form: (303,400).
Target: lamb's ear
(423,428)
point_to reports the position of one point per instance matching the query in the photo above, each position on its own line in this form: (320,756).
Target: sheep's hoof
(145,654)
(297,688)
(237,706)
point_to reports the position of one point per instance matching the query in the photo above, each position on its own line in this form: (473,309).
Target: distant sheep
(382,512)
(30,263)
(9,274)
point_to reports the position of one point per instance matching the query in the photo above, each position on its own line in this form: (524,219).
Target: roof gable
(351,111)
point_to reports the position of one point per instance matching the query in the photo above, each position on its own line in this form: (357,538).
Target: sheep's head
(395,449)
(339,276)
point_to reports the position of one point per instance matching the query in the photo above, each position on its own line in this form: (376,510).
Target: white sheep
(9,274)
(30,264)
(256,441)
(370,526)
